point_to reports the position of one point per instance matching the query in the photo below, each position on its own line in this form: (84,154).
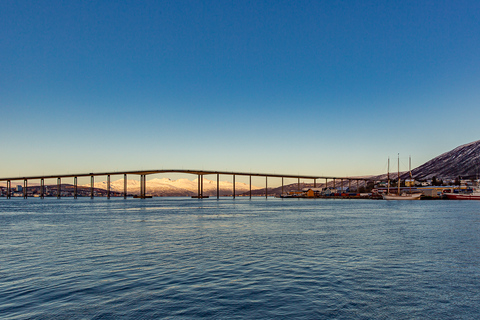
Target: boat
(289,195)
(403,196)
(467,195)
(400,195)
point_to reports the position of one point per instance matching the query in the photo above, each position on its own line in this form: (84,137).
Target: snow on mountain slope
(180,187)
(463,161)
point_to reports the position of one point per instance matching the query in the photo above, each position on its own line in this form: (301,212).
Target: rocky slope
(463,161)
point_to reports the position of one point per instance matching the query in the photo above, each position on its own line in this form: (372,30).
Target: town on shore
(433,180)
(430,189)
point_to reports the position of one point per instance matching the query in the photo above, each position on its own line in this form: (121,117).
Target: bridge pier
(282,186)
(266,187)
(233,186)
(9,186)
(75,187)
(59,187)
(250,187)
(218,186)
(92,185)
(108,186)
(42,188)
(125,186)
(198,187)
(143,186)
(25,186)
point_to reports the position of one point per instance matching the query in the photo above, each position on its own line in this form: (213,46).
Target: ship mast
(410,171)
(398,173)
(388,176)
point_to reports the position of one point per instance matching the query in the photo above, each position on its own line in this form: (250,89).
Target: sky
(295,87)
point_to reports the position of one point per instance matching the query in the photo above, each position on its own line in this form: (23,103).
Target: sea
(181,258)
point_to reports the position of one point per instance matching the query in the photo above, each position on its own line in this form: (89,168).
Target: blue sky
(309,87)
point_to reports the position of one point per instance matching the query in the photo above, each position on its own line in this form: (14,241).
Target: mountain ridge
(180,187)
(462,161)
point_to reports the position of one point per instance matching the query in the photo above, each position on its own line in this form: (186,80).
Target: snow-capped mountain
(463,161)
(180,187)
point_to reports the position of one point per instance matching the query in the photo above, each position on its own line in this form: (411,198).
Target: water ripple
(235,259)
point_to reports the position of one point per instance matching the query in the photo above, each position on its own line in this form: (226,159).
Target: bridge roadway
(143,180)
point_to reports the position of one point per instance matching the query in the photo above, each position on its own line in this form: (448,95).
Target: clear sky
(299,87)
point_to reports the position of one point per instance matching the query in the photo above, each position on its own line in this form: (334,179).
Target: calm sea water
(177,258)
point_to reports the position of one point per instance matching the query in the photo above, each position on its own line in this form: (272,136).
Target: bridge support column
(298,185)
(75,187)
(42,188)
(9,189)
(198,187)
(233,186)
(315,183)
(108,186)
(282,186)
(250,187)
(59,187)
(92,185)
(144,185)
(25,186)
(125,186)
(266,187)
(218,186)
(334,183)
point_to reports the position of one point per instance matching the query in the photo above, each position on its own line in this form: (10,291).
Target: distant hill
(174,188)
(463,161)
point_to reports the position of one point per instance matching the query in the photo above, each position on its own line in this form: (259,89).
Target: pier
(143,181)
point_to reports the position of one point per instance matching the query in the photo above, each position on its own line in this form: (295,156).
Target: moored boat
(475,195)
(403,196)
(400,196)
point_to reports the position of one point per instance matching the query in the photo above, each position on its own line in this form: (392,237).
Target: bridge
(143,181)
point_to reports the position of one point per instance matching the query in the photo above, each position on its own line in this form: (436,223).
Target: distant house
(312,192)
(409,182)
